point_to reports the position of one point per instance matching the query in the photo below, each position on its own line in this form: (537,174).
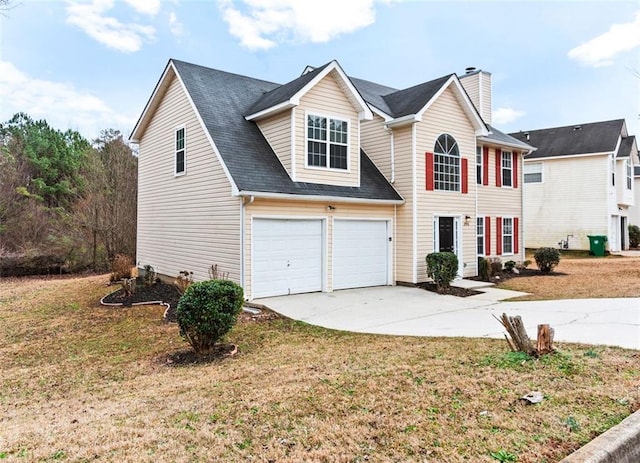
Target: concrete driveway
(399,310)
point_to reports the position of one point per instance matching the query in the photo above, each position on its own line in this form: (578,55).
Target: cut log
(545,339)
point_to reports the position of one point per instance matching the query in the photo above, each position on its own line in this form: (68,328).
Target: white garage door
(360,253)
(287,257)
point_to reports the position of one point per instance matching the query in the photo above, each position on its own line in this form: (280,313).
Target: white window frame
(480,235)
(506,157)
(176,151)
(505,235)
(532,169)
(629,171)
(613,171)
(453,180)
(479,166)
(327,142)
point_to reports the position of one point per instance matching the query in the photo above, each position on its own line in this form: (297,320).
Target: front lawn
(83,382)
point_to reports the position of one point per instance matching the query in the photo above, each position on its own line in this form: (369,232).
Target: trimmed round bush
(547,259)
(207,311)
(634,236)
(442,267)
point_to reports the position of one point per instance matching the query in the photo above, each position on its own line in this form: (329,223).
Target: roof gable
(591,138)
(288,95)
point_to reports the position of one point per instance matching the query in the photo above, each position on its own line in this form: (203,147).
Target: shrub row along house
(325,182)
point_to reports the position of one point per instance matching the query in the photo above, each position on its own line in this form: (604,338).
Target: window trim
(525,173)
(176,151)
(504,155)
(327,142)
(458,158)
(480,235)
(504,235)
(629,174)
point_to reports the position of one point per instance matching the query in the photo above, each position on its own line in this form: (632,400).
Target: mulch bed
(168,294)
(525,272)
(451,290)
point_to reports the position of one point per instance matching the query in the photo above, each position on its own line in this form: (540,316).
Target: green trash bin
(597,244)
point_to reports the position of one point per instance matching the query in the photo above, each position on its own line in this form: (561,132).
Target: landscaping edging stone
(620,444)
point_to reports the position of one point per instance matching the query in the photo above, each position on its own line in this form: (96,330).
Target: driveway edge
(620,444)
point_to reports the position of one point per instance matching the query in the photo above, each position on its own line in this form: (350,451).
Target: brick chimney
(477,83)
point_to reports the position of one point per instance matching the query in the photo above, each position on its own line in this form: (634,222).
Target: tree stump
(518,339)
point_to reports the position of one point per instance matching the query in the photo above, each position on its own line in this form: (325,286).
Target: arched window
(446,165)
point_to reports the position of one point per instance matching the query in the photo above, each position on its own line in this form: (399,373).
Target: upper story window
(180,151)
(507,168)
(479,165)
(629,174)
(613,172)
(327,142)
(446,165)
(533,172)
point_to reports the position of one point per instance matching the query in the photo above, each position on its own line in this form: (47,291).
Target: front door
(623,233)
(445,234)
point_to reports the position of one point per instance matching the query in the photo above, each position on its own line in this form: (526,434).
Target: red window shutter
(429,169)
(465,175)
(516,233)
(485,165)
(487,236)
(498,167)
(515,170)
(499,236)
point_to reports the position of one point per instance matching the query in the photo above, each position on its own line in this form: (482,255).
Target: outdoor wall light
(331,208)
(466,219)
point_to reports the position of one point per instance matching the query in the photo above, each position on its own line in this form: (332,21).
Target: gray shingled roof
(636,171)
(626,145)
(595,137)
(283,92)
(500,137)
(398,103)
(222,99)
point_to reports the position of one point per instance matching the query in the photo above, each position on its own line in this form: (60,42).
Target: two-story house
(579,182)
(325,182)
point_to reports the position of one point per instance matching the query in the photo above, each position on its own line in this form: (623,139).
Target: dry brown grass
(83,382)
(579,278)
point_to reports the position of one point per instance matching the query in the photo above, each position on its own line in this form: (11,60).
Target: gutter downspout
(243,201)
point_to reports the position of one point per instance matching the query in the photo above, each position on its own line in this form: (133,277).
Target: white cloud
(90,17)
(59,103)
(175,26)
(263,24)
(150,7)
(506,115)
(601,50)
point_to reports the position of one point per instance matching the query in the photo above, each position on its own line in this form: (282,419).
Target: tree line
(66,204)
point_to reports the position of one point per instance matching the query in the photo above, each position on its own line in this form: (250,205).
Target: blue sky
(91,65)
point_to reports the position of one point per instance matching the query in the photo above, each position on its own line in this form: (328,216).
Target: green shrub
(442,267)
(547,259)
(484,269)
(509,265)
(149,277)
(634,236)
(207,311)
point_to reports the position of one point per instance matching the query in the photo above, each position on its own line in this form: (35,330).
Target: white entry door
(287,257)
(360,253)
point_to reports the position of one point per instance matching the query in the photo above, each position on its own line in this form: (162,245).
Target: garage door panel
(287,256)
(360,253)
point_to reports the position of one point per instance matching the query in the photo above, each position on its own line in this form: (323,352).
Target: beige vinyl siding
(277,130)
(487,98)
(189,222)
(376,142)
(571,200)
(445,116)
(282,209)
(404,214)
(327,99)
(471,84)
(496,201)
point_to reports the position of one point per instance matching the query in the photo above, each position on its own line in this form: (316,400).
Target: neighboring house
(325,182)
(578,183)
(634,212)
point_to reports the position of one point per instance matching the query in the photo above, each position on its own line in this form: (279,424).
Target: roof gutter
(404,120)
(294,197)
(507,144)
